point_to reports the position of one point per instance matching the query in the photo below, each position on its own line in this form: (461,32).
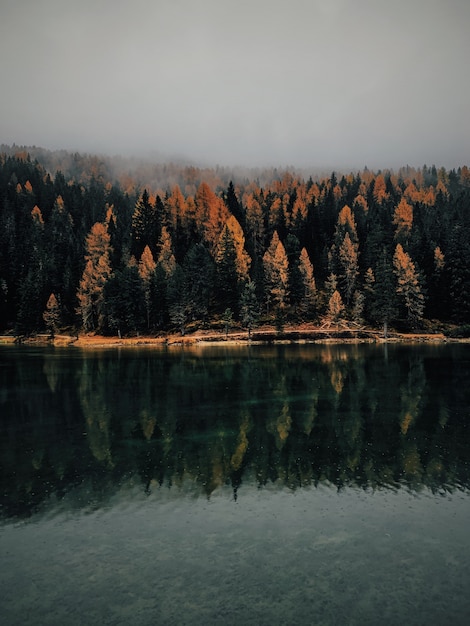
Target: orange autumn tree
(344,254)
(255,227)
(335,307)
(97,271)
(166,258)
(176,204)
(242,260)
(211,215)
(276,272)
(403,219)
(380,189)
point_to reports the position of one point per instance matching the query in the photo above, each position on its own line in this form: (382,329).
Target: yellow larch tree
(403,219)
(211,215)
(166,258)
(97,271)
(276,272)
(243,260)
(380,189)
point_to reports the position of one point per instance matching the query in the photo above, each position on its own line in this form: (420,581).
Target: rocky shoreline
(261,335)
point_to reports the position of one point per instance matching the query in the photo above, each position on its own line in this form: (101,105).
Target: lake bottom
(271,556)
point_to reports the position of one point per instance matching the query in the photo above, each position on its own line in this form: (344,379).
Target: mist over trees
(88,245)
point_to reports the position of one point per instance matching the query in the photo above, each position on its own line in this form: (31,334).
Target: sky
(303,83)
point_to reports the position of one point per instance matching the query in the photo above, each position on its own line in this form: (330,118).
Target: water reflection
(210,417)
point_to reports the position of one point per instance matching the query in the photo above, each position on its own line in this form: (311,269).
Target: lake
(282,484)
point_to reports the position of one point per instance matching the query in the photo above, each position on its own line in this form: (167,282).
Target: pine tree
(146,270)
(177,298)
(309,300)
(233,205)
(31,288)
(227,283)
(145,225)
(458,266)
(61,258)
(295,281)
(199,271)
(124,301)
(249,307)
(383,306)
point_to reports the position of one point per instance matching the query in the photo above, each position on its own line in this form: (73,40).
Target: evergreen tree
(233,205)
(159,315)
(146,271)
(228,320)
(459,271)
(308,303)
(357,313)
(296,288)
(383,305)
(199,276)
(227,283)
(124,301)
(31,288)
(61,260)
(145,225)
(177,299)
(249,307)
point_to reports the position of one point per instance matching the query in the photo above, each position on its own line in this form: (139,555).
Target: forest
(96,244)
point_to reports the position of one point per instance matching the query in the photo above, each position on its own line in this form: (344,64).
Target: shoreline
(267,335)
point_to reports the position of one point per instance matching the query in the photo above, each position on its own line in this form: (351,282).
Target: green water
(297,484)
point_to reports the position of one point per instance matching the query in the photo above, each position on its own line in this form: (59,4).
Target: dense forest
(100,245)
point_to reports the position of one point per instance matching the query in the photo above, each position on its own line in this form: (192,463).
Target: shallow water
(263,485)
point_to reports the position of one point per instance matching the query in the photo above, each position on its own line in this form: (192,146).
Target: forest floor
(304,333)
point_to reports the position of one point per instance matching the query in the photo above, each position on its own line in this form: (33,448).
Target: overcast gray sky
(324,83)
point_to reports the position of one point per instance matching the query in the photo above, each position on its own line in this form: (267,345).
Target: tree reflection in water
(346,415)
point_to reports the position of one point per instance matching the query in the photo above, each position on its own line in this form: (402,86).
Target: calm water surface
(297,484)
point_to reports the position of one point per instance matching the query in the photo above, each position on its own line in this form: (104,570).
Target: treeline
(116,255)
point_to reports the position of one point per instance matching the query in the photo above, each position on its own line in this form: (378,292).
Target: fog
(322,83)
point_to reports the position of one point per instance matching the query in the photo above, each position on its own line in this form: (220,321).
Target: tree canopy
(154,250)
